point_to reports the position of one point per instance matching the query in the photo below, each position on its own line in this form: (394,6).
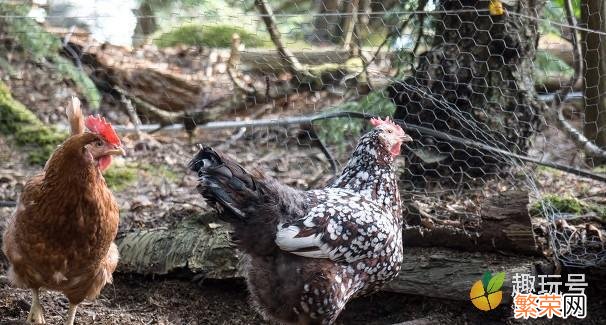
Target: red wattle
(104,162)
(395,149)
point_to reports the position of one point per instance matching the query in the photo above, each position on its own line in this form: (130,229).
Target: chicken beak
(406,138)
(116,151)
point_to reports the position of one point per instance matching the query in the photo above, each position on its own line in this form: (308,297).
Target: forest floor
(152,186)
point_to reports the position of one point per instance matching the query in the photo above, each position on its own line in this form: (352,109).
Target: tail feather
(227,184)
(74,116)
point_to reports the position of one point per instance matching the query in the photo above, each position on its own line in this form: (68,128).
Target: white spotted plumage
(312,251)
(356,221)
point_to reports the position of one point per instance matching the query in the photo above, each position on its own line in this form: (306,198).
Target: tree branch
(575,135)
(289,59)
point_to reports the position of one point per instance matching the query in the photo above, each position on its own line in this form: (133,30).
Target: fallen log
(505,226)
(115,66)
(446,273)
(197,245)
(201,247)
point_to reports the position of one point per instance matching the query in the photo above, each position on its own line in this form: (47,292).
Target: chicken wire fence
(476,86)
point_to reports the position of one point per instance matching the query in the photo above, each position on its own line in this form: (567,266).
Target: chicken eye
(99,143)
(390,131)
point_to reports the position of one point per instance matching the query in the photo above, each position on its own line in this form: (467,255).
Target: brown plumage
(61,235)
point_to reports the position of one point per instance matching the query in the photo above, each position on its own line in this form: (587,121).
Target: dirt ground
(141,300)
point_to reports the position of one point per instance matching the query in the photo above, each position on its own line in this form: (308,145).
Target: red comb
(97,124)
(378,121)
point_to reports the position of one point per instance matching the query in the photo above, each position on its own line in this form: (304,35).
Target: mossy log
(193,245)
(201,247)
(20,124)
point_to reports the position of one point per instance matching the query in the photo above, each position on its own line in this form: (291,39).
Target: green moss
(42,46)
(84,84)
(26,129)
(209,35)
(122,175)
(118,177)
(567,204)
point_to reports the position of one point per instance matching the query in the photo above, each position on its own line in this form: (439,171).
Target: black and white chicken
(312,251)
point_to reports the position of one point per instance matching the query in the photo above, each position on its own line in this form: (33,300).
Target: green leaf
(485,279)
(496,282)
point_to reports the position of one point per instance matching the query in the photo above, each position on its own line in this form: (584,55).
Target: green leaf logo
(495,283)
(485,279)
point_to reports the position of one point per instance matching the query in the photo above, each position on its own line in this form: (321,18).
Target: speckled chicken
(312,251)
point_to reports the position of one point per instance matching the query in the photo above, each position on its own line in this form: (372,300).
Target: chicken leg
(71,314)
(36,312)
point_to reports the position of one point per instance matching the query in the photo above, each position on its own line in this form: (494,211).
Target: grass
(209,36)
(20,124)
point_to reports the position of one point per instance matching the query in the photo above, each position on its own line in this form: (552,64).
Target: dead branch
(308,74)
(289,59)
(232,68)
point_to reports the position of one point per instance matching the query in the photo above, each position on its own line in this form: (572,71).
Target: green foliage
(567,204)
(548,65)
(26,129)
(554,12)
(41,45)
(576,6)
(334,131)
(208,35)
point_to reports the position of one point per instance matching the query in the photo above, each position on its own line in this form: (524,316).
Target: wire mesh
(482,80)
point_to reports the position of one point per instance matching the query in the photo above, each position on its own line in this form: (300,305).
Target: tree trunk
(474,82)
(593,16)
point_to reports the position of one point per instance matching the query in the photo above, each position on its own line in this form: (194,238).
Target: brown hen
(61,236)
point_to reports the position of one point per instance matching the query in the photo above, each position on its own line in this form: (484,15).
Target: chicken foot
(36,312)
(71,314)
